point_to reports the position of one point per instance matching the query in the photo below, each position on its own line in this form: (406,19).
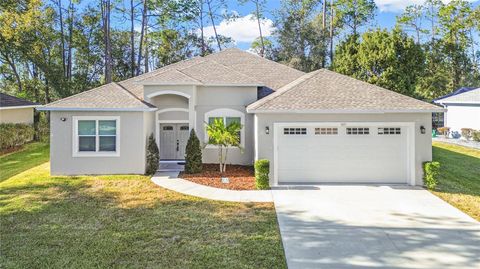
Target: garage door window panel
(358,131)
(294,131)
(326,131)
(389,131)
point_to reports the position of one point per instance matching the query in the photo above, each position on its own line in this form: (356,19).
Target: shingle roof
(227,67)
(271,74)
(327,91)
(465,97)
(107,97)
(12,101)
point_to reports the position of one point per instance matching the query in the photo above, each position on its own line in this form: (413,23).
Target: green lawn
(459,182)
(29,156)
(128,222)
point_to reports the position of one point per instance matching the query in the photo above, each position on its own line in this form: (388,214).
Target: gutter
(46,108)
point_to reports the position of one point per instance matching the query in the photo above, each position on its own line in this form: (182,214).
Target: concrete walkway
(170,180)
(374,227)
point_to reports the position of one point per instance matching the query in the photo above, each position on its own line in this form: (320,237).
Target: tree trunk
(225,160)
(324,15)
(142,32)
(146,49)
(213,23)
(62,36)
(70,39)
(108,48)
(331,31)
(11,63)
(36,113)
(202,36)
(220,158)
(262,51)
(132,38)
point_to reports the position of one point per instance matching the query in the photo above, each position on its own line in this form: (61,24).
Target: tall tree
(258,15)
(106,8)
(354,13)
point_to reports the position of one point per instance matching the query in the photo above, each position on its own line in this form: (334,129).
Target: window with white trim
(389,131)
(96,136)
(358,131)
(294,131)
(227,116)
(326,131)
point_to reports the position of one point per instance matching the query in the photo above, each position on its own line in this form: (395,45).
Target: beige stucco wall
(202,100)
(423,142)
(133,135)
(17,115)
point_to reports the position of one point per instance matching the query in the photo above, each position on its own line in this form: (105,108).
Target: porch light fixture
(422,129)
(267,130)
(63,119)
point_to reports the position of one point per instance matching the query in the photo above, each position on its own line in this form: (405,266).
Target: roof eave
(446,102)
(202,84)
(345,111)
(119,109)
(18,107)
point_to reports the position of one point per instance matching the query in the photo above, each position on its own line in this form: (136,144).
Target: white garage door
(353,153)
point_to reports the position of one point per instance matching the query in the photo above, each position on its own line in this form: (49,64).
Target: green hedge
(153,156)
(262,169)
(15,134)
(431,170)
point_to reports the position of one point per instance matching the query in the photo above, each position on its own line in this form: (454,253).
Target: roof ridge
(139,77)
(132,95)
(180,71)
(227,67)
(283,89)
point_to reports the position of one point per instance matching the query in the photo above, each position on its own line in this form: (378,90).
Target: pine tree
(153,156)
(193,156)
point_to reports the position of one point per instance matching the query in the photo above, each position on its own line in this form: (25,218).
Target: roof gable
(107,97)
(327,91)
(470,96)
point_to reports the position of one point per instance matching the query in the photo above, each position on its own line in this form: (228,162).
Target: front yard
(459,181)
(127,221)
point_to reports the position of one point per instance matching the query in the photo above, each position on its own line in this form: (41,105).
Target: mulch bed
(241,177)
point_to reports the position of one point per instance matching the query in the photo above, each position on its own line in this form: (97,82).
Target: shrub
(153,156)
(15,134)
(431,170)
(445,131)
(262,169)
(467,133)
(476,136)
(193,155)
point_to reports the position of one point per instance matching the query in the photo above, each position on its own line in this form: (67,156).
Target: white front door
(356,153)
(173,140)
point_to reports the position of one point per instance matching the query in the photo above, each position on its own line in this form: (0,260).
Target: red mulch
(241,177)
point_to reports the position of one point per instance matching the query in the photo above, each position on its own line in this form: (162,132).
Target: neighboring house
(315,127)
(463,109)
(16,110)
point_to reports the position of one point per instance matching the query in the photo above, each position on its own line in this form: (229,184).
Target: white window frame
(97,153)
(225,113)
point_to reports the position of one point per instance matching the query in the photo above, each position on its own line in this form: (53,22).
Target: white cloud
(243,29)
(400,5)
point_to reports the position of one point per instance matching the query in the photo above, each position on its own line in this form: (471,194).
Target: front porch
(171,166)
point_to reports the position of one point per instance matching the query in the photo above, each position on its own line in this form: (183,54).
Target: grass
(127,221)
(459,181)
(29,156)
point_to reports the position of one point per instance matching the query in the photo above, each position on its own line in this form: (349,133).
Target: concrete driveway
(374,227)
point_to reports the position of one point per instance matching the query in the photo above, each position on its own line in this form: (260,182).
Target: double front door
(173,140)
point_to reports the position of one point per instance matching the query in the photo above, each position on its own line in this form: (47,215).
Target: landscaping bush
(262,169)
(15,134)
(193,155)
(153,156)
(467,133)
(445,131)
(431,170)
(476,136)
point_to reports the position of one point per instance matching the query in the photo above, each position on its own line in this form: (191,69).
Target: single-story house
(463,109)
(16,110)
(316,127)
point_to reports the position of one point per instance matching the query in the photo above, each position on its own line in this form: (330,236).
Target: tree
(223,136)
(193,154)
(106,7)
(153,156)
(267,47)
(354,13)
(387,59)
(258,15)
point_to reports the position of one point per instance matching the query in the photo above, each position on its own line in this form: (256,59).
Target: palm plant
(224,137)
